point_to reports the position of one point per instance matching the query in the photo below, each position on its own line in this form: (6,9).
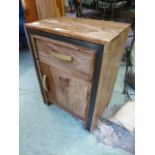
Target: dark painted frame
(99,49)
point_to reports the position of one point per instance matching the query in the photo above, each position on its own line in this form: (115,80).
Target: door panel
(67,91)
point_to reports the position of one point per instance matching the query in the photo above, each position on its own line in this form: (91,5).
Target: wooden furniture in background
(50,8)
(30,12)
(41,9)
(77,63)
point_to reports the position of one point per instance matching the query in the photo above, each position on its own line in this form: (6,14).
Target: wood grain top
(96,31)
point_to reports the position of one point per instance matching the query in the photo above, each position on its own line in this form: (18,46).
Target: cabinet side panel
(109,69)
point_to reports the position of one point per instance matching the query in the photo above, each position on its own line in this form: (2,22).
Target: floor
(48,130)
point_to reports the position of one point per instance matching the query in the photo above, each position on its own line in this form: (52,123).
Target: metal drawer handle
(61,56)
(44,83)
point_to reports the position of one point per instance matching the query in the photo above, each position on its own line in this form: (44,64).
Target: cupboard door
(65,90)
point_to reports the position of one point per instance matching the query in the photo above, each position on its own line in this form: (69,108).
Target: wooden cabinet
(77,61)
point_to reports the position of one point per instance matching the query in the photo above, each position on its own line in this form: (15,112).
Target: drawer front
(66,91)
(78,61)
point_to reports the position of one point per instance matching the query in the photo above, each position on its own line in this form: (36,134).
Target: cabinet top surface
(96,31)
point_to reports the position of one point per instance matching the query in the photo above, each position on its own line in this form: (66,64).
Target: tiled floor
(48,130)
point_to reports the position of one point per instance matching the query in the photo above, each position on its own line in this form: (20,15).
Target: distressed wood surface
(109,69)
(50,8)
(35,10)
(83,59)
(90,30)
(30,11)
(66,91)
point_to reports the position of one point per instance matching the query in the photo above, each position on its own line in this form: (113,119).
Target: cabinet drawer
(78,61)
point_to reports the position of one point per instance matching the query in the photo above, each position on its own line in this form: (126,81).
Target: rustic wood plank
(109,69)
(66,91)
(35,10)
(91,30)
(50,8)
(30,11)
(83,58)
